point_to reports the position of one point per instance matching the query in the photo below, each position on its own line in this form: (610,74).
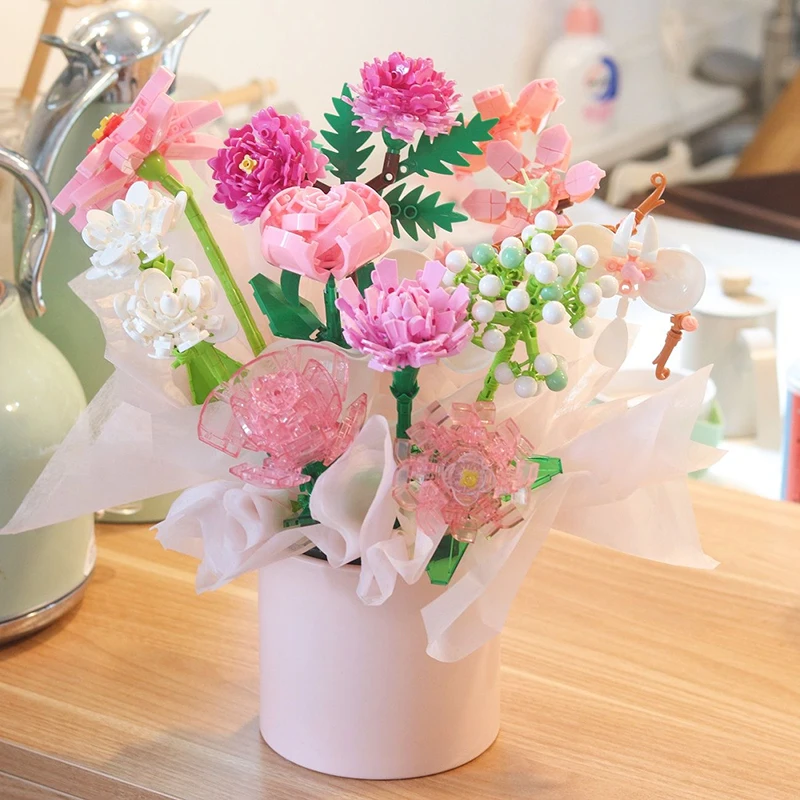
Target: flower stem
(333,319)
(154,169)
(404,389)
(503,356)
(207,368)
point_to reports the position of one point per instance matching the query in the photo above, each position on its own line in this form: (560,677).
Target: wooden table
(622,680)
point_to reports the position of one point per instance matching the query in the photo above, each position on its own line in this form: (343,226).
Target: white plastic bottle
(587,73)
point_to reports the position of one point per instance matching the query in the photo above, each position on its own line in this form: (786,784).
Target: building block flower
(534,105)
(289,406)
(408,323)
(133,229)
(266,155)
(545,184)
(404,96)
(465,476)
(319,235)
(164,313)
(154,123)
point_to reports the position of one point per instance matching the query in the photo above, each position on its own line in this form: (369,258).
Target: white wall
(312,46)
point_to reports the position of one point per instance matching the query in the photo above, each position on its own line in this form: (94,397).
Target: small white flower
(165,313)
(135,225)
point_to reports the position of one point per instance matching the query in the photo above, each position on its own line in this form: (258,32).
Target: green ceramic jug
(43,572)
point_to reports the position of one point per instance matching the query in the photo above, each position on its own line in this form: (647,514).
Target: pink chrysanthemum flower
(270,153)
(289,406)
(154,123)
(404,96)
(462,476)
(405,324)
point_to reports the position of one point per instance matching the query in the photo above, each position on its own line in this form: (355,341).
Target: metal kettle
(110,55)
(43,572)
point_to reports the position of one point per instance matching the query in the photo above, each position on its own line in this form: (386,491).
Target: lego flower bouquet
(386,437)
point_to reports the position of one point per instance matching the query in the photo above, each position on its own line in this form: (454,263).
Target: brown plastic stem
(674,335)
(388,176)
(653,200)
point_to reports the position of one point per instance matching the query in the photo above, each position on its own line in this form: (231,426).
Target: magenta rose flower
(407,323)
(404,96)
(315,234)
(267,155)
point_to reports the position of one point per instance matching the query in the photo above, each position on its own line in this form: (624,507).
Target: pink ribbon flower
(307,231)
(464,476)
(287,405)
(403,96)
(154,123)
(407,323)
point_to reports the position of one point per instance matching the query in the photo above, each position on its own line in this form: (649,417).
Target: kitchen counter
(622,680)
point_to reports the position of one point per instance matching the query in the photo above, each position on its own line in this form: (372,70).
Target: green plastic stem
(154,169)
(333,320)
(505,355)
(404,389)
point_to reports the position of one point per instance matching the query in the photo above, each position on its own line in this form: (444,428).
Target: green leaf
(286,321)
(206,369)
(347,153)
(413,212)
(290,286)
(447,149)
(445,559)
(363,277)
(549,467)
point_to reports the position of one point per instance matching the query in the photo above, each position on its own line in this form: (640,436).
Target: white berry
(511,241)
(493,340)
(609,285)
(528,232)
(583,328)
(545,364)
(490,286)
(483,311)
(591,311)
(525,386)
(569,243)
(449,279)
(545,272)
(531,260)
(554,312)
(517,300)
(590,294)
(546,221)
(504,374)
(542,243)
(566,265)
(456,260)
(587,255)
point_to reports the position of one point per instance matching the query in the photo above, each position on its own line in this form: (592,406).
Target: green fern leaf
(347,152)
(447,149)
(413,212)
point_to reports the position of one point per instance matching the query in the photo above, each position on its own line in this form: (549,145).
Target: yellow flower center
(247,164)
(469,478)
(98,132)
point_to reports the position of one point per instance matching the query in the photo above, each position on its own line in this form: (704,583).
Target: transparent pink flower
(153,123)
(315,234)
(404,96)
(405,324)
(287,405)
(463,475)
(268,154)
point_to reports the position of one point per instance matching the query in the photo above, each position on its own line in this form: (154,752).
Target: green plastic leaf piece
(206,367)
(290,286)
(414,212)
(347,152)
(363,277)
(447,149)
(549,467)
(445,559)
(285,320)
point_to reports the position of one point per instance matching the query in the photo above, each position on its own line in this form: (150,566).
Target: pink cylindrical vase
(349,690)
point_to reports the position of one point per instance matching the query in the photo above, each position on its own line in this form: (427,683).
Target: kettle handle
(39,236)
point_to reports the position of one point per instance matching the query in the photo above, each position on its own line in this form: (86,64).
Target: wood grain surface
(622,680)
